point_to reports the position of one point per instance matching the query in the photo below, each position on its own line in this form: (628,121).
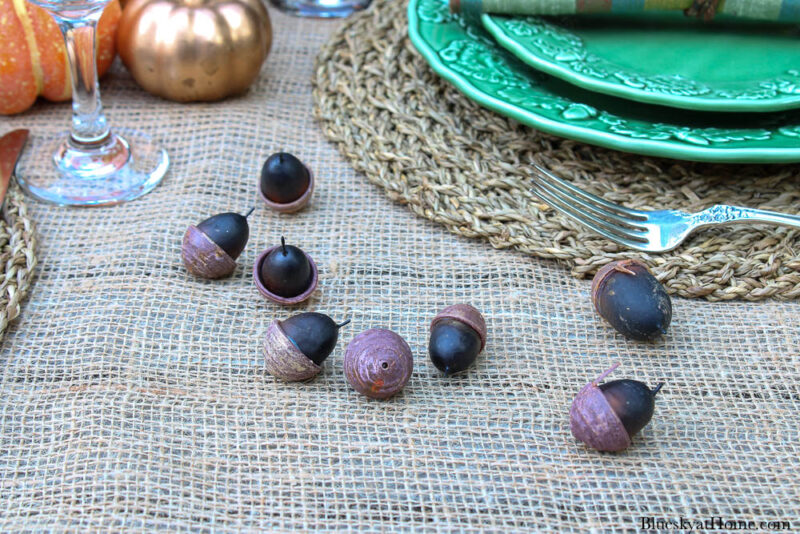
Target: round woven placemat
(17,256)
(465,167)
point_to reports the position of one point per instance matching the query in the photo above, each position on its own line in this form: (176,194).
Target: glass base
(124,167)
(321,8)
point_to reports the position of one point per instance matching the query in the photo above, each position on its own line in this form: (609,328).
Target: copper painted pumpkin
(194,50)
(33,59)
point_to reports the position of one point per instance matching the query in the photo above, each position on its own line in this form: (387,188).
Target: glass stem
(89,126)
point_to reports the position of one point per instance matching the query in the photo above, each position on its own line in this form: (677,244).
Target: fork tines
(612,221)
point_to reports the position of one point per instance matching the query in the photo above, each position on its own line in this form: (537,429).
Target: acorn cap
(286,301)
(295,205)
(378,363)
(593,421)
(202,257)
(469,315)
(283,359)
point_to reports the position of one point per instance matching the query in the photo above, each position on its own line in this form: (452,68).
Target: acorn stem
(343,324)
(283,245)
(605,374)
(621,267)
(249,212)
(657,389)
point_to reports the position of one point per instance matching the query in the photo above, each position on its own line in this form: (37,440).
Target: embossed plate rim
(621,90)
(658,148)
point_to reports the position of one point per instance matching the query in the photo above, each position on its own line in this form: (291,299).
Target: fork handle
(722,214)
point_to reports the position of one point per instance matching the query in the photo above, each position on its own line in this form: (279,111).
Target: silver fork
(651,231)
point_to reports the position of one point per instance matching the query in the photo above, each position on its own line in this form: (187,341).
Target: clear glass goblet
(321,8)
(94,165)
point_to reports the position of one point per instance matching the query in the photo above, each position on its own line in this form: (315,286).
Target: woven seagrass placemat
(17,255)
(468,168)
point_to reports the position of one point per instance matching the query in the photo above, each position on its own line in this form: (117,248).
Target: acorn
(626,295)
(294,349)
(606,416)
(210,249)
(378,363)
(286,183)
(458,335)
(285,274)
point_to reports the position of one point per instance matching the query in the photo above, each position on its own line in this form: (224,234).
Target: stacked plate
(658,84)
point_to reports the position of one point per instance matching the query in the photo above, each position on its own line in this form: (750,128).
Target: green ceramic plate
(666,58)
(467,56)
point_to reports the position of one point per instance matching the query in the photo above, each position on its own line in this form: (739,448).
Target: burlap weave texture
(133,396)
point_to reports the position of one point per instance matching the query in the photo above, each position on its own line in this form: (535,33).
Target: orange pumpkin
(33,59)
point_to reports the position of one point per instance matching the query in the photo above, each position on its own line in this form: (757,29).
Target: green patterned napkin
(777,10)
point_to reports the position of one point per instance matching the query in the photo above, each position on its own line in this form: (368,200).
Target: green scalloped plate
(663,58)
(467,56)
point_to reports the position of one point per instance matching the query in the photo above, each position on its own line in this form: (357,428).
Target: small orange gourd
(33,59)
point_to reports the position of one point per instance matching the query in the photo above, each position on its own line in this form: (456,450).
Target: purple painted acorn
(606,416)
(378,363)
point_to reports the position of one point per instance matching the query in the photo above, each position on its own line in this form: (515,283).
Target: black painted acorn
(210,249)
(286,271)
(285,274)
(294,349)
(458,335)
(606,416)
(286,183)
(626,295)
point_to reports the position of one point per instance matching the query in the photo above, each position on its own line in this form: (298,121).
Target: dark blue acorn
(458,335)
(626,295)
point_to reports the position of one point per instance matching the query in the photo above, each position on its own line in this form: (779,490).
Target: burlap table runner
(133,396)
